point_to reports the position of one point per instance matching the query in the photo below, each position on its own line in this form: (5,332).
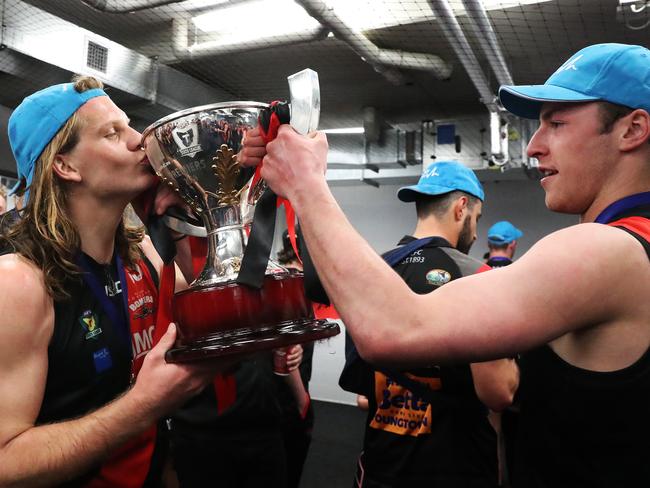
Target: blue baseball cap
(616,73)
(37,120)
(503,232)
(443,177)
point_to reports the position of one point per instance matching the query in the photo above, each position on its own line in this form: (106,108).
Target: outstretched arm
(552,290)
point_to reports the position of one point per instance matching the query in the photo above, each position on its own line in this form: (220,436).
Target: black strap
(641,239)
(313,287)
(161,238)
(260,242)
(395,256)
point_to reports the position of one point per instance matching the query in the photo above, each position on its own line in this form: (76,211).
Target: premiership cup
(195,152)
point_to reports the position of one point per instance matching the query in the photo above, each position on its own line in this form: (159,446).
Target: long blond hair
(45,235)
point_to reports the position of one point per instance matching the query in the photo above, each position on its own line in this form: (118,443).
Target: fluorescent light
(349,130)
(256,19)
(503,4)
(196,4)
(376,14)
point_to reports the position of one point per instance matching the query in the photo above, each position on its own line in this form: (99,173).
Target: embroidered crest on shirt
(90,323)
(438,277)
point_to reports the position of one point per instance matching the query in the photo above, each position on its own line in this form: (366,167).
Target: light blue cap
(443,177)
(616,73)
(503,232)
(35,122)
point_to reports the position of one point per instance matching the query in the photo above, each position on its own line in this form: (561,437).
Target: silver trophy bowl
(195,152)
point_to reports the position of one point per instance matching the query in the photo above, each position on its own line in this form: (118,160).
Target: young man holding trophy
(82,383)
(576,304)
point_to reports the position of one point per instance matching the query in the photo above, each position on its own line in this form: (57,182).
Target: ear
(65,169)
(460,207)
(636,131)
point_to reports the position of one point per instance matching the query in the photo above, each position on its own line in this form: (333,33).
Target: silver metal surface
(305,100)
(194,151)
(183,227)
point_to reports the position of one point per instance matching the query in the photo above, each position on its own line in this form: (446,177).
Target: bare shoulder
(589,243)
(608,278)
(18,277)
(24,301)
(589,259)
(26,326)
(575,279)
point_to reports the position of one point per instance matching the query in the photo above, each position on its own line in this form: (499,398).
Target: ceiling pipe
(447,21)
(487,39)
(127,7)
(183,50)
(459,43)
(384,61)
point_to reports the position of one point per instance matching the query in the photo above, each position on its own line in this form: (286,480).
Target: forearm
(369,311)
(496,382)
(50,454)
(294,381)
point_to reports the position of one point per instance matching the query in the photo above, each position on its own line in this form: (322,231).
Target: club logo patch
(438,277)
(186,138)
(90,323)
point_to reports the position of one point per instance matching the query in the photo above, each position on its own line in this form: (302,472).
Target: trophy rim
(200,108)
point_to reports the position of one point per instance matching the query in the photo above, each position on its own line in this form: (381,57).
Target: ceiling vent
(96,57)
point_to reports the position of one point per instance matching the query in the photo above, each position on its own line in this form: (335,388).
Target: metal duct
(183,50)
(499,151)
(487,39)
(458,41)
(127,6)
(33,37)
(384,61)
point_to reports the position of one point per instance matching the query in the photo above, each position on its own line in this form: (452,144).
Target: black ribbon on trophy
(260,240)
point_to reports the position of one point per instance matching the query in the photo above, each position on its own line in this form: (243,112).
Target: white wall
(383,220)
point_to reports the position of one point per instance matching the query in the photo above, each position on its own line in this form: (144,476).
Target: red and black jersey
(91,362)
(580,428)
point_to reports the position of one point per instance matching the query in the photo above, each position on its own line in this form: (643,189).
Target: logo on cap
(570,64)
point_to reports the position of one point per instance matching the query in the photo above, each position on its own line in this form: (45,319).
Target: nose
(135,140)
(536,145)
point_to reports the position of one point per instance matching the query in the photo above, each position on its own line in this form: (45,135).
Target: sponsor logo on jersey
(135,274)
(142,342)
(90,323)
(142,307)
(399,410)
(438,277)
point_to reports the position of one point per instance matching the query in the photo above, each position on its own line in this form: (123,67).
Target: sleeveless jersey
(581,428)
(91,362)
(425,427)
